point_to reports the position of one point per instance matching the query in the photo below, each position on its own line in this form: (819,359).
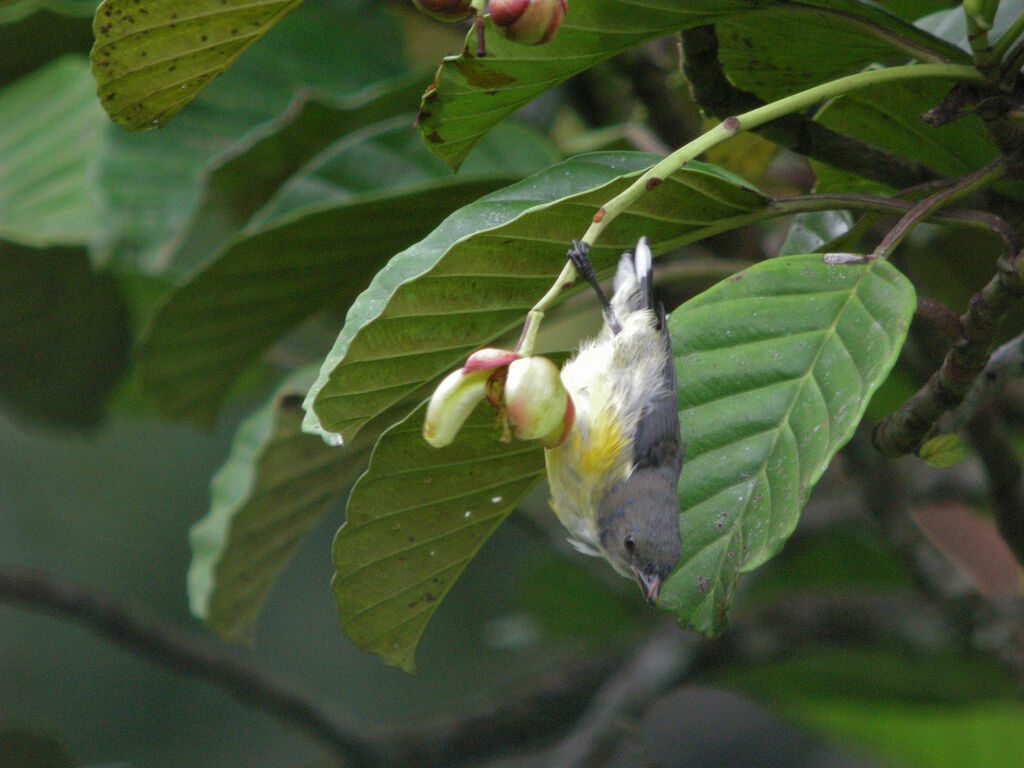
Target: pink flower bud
(489,358)
(530,22)
(448,11)
(536,400)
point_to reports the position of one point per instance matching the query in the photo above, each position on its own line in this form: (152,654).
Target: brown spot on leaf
(434,138)
(652,182)
(599,215)
(479,76)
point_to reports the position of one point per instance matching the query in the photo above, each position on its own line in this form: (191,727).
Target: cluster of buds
(526,392)
(529,22)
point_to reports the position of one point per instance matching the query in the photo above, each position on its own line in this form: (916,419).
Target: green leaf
(786,48)
(354,207)
(64,335)
(274,488)
(52,128)
(776,366)
(153,181)
(475,277)
(415,520)
(152,58)
(472,95)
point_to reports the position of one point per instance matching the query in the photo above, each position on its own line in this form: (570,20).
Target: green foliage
(296,219)
(151,58)
(415,519)
(477,274)
(46,192)
(776,366)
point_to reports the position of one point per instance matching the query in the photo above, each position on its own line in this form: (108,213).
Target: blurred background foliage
(837,657)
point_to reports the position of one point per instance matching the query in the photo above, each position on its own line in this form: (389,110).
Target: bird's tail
(633,285)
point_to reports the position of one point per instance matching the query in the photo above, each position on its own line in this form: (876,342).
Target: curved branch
(185,653)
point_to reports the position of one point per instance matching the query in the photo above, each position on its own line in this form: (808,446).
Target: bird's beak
(650,585)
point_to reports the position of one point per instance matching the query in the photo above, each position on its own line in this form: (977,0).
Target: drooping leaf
(152,58)
(274,488)
(52,128)
(153,181)
(415,520)
(329,230)
(471,95)
(64,335)
(776,366)
(475,277)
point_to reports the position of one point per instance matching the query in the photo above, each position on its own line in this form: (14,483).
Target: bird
(614,479)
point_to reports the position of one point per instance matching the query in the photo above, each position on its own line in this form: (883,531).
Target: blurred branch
(905,431)
(529,712)
(656,667)
(666,111)
(719,98)
(1000,623)
(188,654)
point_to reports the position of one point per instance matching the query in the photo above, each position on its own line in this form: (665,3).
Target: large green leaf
(152,58)
(475,277)
(776,366)
(275,486)
(64,335)
(52,128)
(415,520)
(471,95)
(325,236)
(153,181)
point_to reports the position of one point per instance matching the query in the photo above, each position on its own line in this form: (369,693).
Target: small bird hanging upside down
(614,480)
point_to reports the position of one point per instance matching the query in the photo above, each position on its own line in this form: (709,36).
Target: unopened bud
(447,11)
(537,402)
(530,22)
(450,405)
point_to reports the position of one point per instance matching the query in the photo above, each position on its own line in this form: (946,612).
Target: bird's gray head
(638,521)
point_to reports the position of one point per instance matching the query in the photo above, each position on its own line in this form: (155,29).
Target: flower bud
(450,405)
(530,22)
(447,11)
(537,403)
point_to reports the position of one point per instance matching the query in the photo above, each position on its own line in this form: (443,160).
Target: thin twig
(965,186)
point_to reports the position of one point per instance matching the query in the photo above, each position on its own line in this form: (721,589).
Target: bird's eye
(629,543)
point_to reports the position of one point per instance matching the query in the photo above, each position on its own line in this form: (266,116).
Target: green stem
(761,115)
(725,130)
(978,15)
